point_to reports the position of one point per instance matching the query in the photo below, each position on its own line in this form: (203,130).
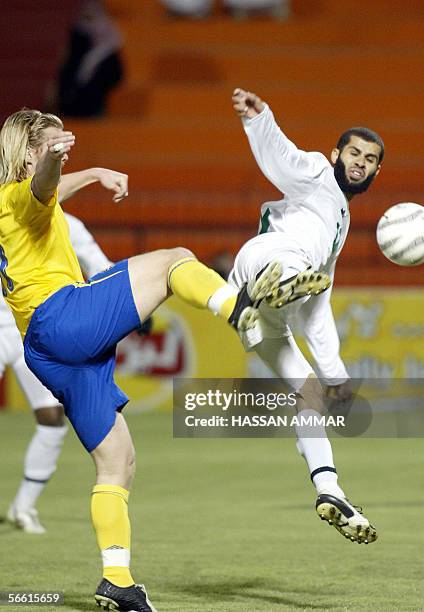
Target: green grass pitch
(225,525)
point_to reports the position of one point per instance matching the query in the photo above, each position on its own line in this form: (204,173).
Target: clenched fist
(246,103)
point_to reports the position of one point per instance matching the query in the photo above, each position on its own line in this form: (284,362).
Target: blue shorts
(70,346)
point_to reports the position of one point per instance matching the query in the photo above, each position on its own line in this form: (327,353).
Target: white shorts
(12,354)
(277,348)
(253,257)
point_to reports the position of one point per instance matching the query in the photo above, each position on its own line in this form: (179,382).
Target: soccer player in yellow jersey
(71,327)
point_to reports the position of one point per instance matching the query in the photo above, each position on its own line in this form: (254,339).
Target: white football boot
(301,285)
(27,521)
(346,518)
(264,286)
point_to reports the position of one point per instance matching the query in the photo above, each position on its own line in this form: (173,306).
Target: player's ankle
(223,301)
(330,488)
(119,576)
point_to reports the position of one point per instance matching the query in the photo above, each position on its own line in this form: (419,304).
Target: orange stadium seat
(171,127)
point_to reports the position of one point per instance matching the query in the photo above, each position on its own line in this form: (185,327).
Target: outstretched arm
(47,173)
(109,179)
(286,166)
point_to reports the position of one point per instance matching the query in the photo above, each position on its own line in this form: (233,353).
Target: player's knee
(131,465)
(126,464)
(169,257)
(51,416)
(125,471)
(178,253)
(311,394)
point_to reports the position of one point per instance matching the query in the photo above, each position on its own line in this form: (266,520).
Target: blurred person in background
(242,9)
(239,9)
(223,263)
(194,9)
(92,66)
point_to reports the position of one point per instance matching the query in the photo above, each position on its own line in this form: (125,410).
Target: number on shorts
(7,284)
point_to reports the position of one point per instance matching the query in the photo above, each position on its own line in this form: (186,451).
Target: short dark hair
(365,134)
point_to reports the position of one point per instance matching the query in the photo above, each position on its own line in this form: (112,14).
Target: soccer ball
(400,234)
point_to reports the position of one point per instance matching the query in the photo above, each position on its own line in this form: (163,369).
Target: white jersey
(313,215)
(91,258)
(6,317)
(307,227)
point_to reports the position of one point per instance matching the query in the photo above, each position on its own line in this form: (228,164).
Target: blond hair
(21,131)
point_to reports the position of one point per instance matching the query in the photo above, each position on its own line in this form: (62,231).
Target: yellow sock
(109,513)
(201,287)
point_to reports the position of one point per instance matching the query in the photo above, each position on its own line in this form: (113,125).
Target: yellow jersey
(36,255)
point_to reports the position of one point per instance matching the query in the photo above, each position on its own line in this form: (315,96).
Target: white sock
(220,296)
(116,557)
(318,454)
(40,464)
(27,495)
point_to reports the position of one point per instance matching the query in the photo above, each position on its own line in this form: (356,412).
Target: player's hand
(246,103)
(114,181)
(342,393)
(60,145)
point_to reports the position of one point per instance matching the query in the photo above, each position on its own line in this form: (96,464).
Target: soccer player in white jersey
(46,444)
(304,231)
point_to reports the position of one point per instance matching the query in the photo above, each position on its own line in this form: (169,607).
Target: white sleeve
(6,316)
(320,332)
(290,169)
(91,257)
